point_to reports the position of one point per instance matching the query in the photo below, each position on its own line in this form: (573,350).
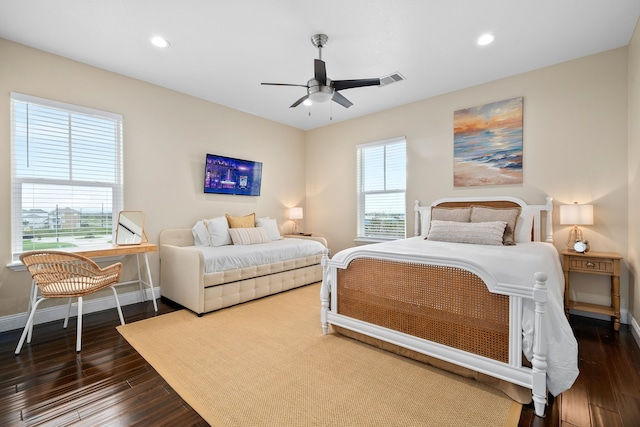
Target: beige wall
(166,137)
(634,177)
(575,149)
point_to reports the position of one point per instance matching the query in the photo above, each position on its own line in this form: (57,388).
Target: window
(382,178)
(66,174)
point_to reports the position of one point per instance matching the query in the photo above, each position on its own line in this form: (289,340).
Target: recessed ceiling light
(485,39)
(159,41)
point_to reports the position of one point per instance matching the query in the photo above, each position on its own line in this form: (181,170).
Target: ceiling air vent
(391,78)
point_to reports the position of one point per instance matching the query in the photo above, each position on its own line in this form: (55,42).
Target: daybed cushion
(241,221)
(249,236)
(241,256)
(482,233)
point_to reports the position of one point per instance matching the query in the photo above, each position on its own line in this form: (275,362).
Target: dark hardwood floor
(109,383)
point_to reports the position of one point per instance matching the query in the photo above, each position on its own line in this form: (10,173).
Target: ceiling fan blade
(337,97)
(299,101)
(320,71)
(283,84)
(349,84)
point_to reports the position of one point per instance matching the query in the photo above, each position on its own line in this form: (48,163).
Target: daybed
(206,278)
(481,307)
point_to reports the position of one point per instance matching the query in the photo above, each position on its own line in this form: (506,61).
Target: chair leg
(28,327)
(79,326)
(33,296)
(66,319)
(115,295)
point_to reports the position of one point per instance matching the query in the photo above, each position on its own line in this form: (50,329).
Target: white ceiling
(222,50)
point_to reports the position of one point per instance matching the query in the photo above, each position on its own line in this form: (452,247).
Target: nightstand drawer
(591,265)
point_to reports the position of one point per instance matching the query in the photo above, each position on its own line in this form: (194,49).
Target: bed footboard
(441,311)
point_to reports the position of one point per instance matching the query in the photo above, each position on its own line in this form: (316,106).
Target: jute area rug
(266,363)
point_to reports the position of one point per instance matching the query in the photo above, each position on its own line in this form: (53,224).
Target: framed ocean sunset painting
(487,144)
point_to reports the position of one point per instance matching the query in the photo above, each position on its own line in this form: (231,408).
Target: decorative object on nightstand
(295,214)
(602,263)
(576,215)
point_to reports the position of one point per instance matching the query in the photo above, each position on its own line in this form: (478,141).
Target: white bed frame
(533,377)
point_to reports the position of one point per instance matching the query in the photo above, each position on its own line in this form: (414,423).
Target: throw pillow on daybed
(271,226)
(249,236)
(211,232)
(241,221)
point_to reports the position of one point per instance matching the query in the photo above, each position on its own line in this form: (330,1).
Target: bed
(492,309)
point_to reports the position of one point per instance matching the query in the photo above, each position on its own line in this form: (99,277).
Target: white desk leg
(153,295)
(140,282)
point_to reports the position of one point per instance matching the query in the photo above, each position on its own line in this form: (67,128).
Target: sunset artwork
(487,144)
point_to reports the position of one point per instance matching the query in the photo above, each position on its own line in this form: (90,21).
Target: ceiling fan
(320,88)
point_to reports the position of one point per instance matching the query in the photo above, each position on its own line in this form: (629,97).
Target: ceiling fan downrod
(319,41)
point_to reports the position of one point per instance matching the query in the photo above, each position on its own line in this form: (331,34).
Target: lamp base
(574,235)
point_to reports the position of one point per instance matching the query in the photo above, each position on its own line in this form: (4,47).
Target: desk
(602,263)
(111,250)
(108,250)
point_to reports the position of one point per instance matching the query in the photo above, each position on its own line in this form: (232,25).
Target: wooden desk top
(109,249)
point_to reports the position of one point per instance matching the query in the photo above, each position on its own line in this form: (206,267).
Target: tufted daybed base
(183,280)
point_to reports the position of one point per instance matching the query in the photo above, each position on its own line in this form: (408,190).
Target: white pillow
(249,236)
(218,229)
(271,225)
(200,234)
(481,233)
(524,225)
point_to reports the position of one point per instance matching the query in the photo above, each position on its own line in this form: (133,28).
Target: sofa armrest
(182,276)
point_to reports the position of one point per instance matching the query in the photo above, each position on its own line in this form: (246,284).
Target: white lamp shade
(576,214)
(295,213)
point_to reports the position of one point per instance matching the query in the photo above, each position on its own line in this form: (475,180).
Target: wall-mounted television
(226,175)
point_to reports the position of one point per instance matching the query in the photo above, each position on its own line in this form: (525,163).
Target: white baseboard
(49,314)
(635,330)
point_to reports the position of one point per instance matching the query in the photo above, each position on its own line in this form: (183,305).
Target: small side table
(602,263)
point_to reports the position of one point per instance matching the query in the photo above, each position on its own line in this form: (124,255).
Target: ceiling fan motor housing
(319,92)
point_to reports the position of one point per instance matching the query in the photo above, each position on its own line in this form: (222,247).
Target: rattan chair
(66,275)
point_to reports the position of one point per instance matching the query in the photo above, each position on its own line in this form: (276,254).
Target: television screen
(226,175)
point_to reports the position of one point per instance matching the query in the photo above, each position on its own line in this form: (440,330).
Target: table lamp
(576,215)
(295,214)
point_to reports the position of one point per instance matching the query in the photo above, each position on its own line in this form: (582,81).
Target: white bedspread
(229,257)
(511,265)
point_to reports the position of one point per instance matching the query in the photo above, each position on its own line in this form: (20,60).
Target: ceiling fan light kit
(322,89)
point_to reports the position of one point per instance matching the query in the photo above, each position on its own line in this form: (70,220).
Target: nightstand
(602,263)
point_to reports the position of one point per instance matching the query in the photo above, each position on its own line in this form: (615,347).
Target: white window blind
(382,179)
(66,171)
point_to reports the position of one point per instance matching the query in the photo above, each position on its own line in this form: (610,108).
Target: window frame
(17,182)
(361,194)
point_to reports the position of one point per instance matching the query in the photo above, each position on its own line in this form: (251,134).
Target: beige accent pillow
(480,233)
(508,215)
(451,214)
(249,236)
(241,221)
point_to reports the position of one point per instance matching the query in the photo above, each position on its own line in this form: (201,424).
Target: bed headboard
(530,215)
